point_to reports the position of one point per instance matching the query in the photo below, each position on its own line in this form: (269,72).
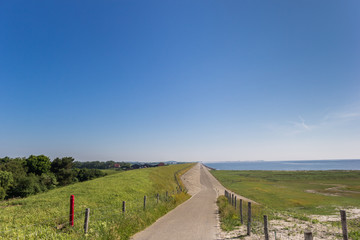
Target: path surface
(196,218)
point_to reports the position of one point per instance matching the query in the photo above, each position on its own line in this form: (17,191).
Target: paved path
(196,218)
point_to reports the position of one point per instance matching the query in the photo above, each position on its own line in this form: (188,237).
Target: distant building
(116,165)
(161,164)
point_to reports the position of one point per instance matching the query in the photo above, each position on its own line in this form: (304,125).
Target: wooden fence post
(344,225)
(235,202)
(266,229)
(144,202)
(249,219)
(308,235)
(157,198)
(241,211)
(87,218)
(166,196)
(232,199)
(124,207)
(71,219)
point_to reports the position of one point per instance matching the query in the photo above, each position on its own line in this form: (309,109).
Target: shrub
(38,164)
(48,180)
(2,193)
(28,186)
(88,174)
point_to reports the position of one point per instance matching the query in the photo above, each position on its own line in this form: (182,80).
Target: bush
(48,180)
(21,177)
(38,164)
(2,193)
(17,167)
(88,174)
(6,179)
(66,176)
(28,186)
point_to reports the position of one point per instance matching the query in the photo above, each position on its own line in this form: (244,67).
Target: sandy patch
(286,228)
(191,180)
(351,213)
(336,190)
(320,193)
(339,188)
(291,228)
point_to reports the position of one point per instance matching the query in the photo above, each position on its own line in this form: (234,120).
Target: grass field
(297,195)
(313,192)
(45,216)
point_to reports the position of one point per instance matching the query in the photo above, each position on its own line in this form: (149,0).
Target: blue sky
(180,80)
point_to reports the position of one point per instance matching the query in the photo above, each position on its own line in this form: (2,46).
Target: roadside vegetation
(22,177)
(45,215)
(229,218)
(297,196)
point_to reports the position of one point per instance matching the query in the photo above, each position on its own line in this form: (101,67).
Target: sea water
(287,165)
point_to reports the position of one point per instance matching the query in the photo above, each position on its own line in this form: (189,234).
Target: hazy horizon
(184,81)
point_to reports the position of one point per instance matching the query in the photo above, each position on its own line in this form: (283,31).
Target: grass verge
(229,218)
(45,216)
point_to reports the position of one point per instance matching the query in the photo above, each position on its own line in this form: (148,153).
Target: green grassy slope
(47,212)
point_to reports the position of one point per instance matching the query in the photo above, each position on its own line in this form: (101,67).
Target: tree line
(21,177)
(103,165)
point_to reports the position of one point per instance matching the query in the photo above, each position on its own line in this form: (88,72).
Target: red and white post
(71,220)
